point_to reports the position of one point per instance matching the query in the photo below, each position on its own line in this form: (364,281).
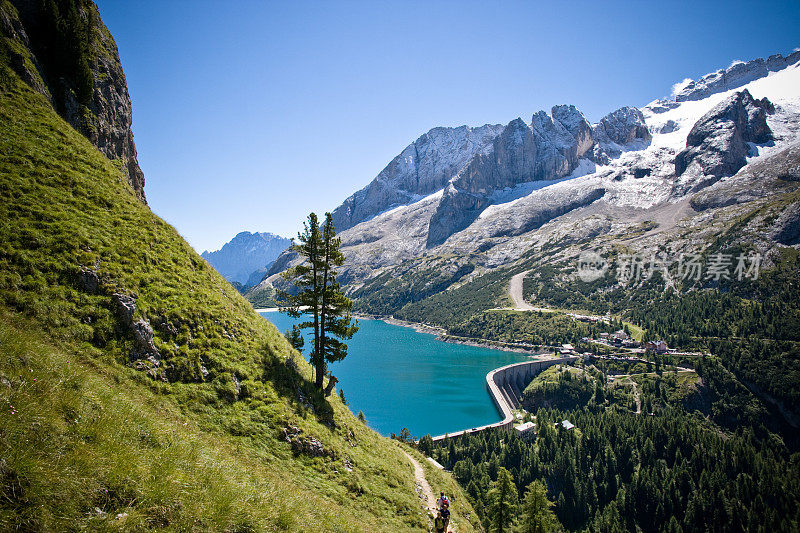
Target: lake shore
(416,326)
(442,335)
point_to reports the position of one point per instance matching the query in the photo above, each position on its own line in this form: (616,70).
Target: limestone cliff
(717,144)
(63,51)
(423,167)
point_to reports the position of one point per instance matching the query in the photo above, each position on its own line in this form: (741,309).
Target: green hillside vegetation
(564,387)
(194,439)
(530,327)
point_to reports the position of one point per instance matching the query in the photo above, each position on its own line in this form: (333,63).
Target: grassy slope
(189,453)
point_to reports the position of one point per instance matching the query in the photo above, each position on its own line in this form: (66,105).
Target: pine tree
(295,338)
(320,295)
(537,511)
(502,501)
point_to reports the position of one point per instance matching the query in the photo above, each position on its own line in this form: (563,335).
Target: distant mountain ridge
(245,255)
(561,179)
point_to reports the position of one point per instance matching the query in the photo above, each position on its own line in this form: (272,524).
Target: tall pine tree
(320,296)
(503,500)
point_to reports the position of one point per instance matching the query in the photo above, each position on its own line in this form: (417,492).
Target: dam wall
(505,385)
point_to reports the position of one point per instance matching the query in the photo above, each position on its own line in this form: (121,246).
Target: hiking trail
(425,492)
(423,487)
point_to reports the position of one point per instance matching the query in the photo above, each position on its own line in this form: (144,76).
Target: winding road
(515,291)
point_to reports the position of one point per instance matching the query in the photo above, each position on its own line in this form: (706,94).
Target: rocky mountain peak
(737,74)
(623,126)
(544,150)
(245,254)
(619,129)
(576,124)
(717,146)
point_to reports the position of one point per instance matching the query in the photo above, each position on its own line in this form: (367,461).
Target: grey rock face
(125,306)
(546,149)
(668,127)
(422,168)
(786,229)
(143,339)
(623,126)
(717,143)
(105,118)
(736,75)
(577,125)
(456,211)
(88,280)
(762,178)
(109,124)
(662,106)
(245,254)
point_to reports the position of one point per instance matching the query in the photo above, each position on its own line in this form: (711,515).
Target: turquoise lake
(400,378)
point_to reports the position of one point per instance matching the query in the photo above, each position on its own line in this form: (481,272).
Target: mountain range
(246,258)
(461,202)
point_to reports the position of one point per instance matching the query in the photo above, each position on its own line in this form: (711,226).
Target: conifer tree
(503,499)
(537,511)
(320,296)
(295,338)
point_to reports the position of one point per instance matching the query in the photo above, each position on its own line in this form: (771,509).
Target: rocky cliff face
(717,144)
(246,254)
(618,131)
(63,51)
(423,167)
(547,149)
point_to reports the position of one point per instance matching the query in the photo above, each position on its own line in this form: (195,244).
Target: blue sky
(249,115)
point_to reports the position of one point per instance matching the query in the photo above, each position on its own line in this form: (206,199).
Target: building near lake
(526,430)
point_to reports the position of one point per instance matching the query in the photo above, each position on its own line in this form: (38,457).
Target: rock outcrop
(717,144)
(87,85)
(617,131)
(423,167)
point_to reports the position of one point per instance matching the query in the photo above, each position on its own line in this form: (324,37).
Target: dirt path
(423,487)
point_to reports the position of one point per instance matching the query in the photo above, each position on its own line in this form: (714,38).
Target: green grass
(637,333)
(92,432)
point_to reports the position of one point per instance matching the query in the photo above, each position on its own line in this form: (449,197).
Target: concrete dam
(505,385)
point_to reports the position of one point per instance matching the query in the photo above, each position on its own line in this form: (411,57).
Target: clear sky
(249,115)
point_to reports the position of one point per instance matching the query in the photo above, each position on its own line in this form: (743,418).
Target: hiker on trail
(439,523)
(445,514)
(442,501)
